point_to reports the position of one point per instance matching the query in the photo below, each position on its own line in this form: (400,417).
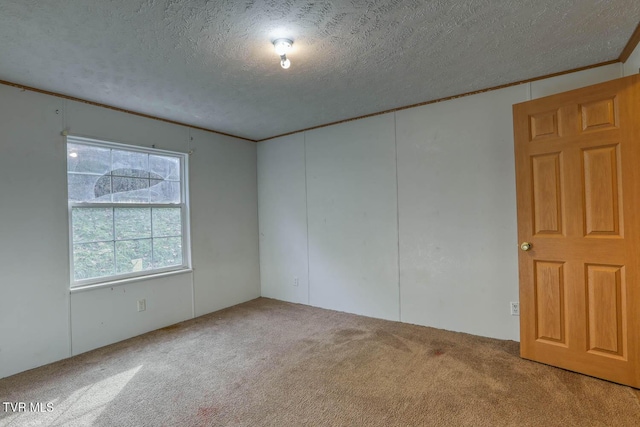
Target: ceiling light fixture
(283,46)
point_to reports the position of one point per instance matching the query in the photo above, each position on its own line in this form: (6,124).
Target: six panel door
(577,180)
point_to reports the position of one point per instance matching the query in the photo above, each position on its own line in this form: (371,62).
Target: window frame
(183,205)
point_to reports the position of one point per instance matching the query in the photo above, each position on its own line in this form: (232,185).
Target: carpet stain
(208,412)
(438,352)
(383,337)
(441,344)
(345,335)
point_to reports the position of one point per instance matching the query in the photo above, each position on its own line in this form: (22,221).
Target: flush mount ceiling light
(283,46)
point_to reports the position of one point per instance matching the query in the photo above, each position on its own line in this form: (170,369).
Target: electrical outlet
(142,304)
(515,308)
(296,282)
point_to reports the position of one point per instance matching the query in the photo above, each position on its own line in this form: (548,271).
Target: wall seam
(70,323)
(193,271)
(306,211)
(258,226)
(395,141)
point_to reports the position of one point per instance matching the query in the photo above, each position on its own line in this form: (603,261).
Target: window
(127,211)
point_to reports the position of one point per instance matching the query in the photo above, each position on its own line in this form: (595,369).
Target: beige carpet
(269,363)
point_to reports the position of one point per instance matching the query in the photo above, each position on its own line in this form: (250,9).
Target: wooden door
(578,192)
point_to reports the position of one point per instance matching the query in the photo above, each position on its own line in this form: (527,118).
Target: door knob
(525,246)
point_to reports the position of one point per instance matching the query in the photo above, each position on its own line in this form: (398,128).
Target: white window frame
(184,208)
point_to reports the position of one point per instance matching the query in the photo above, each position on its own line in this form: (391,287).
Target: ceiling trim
(122,110)
(449,98)
(626,52)
(633,42)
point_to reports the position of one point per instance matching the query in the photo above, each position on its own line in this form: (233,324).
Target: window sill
(83,288)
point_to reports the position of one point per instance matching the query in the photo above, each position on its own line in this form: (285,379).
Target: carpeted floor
(270,363)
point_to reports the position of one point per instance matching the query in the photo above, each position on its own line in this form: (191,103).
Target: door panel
(601,190)
(549,291)
(598,115)
(547,193)
(606,313)
(578,194)
(544,125)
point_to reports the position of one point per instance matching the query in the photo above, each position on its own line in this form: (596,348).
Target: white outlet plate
(296,282)
(142,304)
(515,308)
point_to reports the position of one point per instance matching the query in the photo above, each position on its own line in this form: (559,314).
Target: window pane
(164,191)
(130,163)
(115,238)
(92,224)
(130,190)
(132,223)
(167,222)
(92,260)
(85,158)
(133,255)
(102,189)
(165,167)
(167,251)
(89,188)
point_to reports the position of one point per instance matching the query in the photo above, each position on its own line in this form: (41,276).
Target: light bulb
(285,63)
(282,46)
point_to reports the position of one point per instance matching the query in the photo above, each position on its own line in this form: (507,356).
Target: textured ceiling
(211,63)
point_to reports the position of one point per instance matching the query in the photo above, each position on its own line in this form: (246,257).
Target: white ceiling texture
(211,64)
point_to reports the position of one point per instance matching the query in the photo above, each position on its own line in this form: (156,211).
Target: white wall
(34,270)
(40,321)
(353,223)
(107,315)
(344,256)
(283,212)
(224,221)
(572,81)
(455,204)
(456,184)
(633,63)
